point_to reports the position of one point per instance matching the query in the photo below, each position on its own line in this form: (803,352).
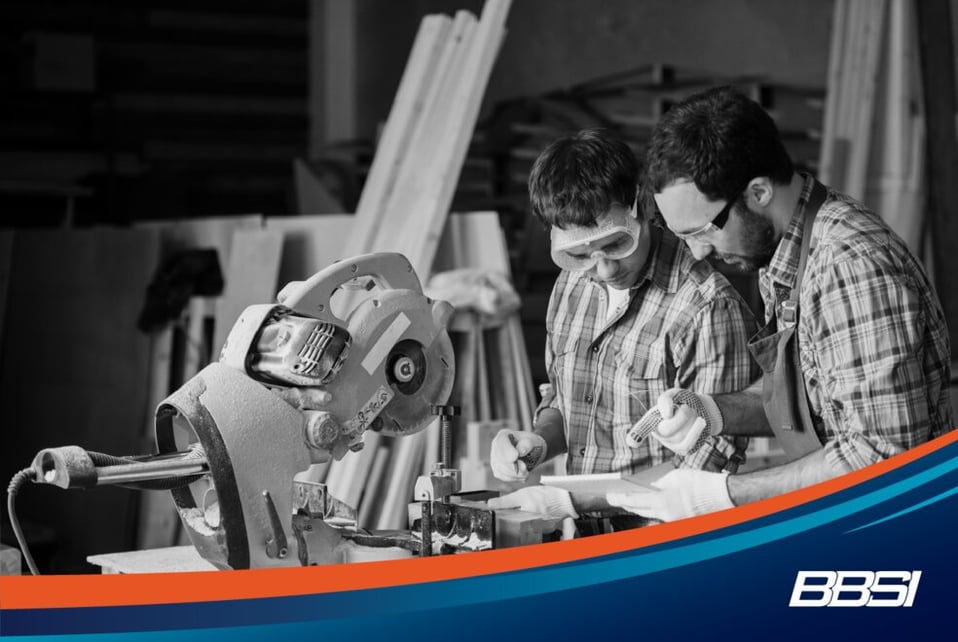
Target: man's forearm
(743,413)
(551,428)
(761,484)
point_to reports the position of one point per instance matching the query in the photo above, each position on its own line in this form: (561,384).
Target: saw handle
(389,270)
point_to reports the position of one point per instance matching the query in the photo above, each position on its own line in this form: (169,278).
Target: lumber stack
(417,164)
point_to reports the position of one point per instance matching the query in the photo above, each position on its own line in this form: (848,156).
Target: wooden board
(250,277)
(403,119)
(168,559)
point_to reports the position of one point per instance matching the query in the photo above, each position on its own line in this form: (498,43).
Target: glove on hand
(514,453)
(554,503)
(681,421)
(682,493)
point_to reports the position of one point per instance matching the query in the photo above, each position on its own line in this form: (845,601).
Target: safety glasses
(717,223)
(574,251)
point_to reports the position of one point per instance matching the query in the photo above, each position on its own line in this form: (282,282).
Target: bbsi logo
(855,588)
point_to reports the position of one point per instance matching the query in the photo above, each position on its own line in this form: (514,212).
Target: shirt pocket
(643,378)
(565,361)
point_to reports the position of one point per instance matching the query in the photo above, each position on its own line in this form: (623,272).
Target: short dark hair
(720,140)
(577,178)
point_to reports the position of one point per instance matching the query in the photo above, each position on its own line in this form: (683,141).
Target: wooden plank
(507,372)
(937,53)
(250,277)
(196,349)
(406,458)
(348,475)
(527,397)
(451,57)
(433,200)
(406,111)
(896,177)
(368,508)
(473,240)
(169,559)
(864,106)
(482,374)
(833,90)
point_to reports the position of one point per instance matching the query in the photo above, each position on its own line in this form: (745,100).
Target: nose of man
(606,269)
(700,250)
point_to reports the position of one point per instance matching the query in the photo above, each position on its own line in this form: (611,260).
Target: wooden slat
(368,509)
(862,111)
(833,90)
(897,174)
(447,162)
(250,277)
(403,117)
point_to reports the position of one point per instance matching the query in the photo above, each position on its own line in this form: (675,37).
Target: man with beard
(632,314)
(855,351)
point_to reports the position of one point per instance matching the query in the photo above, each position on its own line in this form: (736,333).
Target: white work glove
(514,453)
(552,502)
(681,421)
(681,493)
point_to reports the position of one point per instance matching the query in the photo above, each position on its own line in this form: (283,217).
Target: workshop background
(131,131)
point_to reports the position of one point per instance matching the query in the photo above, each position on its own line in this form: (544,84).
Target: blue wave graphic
(714,584)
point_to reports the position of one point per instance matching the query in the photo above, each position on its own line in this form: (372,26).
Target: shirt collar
(784,264)
(663,266)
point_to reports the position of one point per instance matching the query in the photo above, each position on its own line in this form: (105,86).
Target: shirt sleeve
(715,359)
(862,351)
(549,397)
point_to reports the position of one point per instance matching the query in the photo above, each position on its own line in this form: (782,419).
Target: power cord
(25,475)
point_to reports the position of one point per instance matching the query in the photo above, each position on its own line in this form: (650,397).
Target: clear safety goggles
(579,249)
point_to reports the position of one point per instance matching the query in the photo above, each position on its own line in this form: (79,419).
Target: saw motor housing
(380,368)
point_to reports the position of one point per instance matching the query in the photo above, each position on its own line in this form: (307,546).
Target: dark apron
(775,349)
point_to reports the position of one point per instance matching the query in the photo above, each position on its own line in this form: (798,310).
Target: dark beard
(758,237)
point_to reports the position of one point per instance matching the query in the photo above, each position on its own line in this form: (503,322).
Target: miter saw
(297,383)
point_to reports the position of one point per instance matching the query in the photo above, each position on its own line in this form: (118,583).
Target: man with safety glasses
(632,314)
(855,352)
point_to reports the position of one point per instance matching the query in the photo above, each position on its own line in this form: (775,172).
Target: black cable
(27,474)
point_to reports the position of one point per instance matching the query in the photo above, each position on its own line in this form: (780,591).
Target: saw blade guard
(401,360)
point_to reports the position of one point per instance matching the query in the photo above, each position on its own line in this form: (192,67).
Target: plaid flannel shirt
(872,337)
(685,326)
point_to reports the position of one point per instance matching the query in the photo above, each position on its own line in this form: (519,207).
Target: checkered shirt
(684,326)
(872,337)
